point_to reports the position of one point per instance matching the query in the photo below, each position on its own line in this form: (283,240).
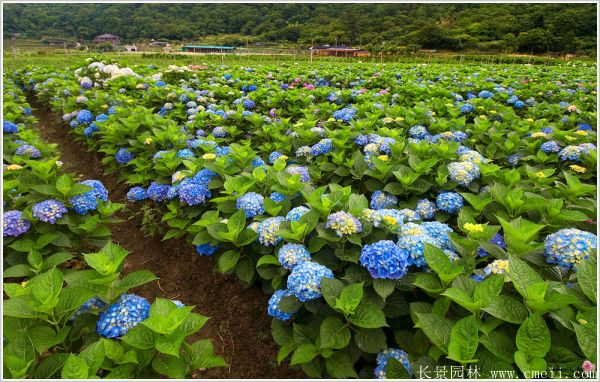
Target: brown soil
(239,326)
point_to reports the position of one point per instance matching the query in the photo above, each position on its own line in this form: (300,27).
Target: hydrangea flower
(123,315)
(273,309)
(219,132)
(9,127)
(305,280)
(136,194)
(466,108)
(249,104)
(343,223)
(94,303)
(383,359)
(344,115)
(381,200)
(384,260)
(497,239)
(322,147)
(513,160)
(277,197)
(571,153)
(90,130)
(28,150)
(206,249)
(48,211)
(98,190)
(550,147)
(463,172)
(123,156)
(418,132)
(83,203)
(485,94)
(257,162)
(85,116)
(472,156)
(450,202)
(157,191)
(13,223)
(426,209)
(266,231)
(567,247)
(296,213)
(273,156)
(252,204)
(413,248)
(193,194)
(185,153)
(302,171)
(290,255)
(439,232)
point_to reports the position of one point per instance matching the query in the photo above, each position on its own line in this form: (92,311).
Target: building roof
(107,35)
(336,48)
(209,47)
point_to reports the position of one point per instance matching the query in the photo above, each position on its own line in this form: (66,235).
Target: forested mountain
(384,27)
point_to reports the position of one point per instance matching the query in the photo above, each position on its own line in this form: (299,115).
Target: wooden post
(311,57)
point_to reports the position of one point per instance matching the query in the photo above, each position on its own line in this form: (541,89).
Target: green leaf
(437,328)
(368,316)
(244,269)
(331,288)
(289,304)
(488,289)
(428,282)
(281,333)
(507,308)
(112,349)
(93,356)
(170,366)
(47,286)
(396,370)
(42,337)
(304,353)
(227,261)
(70,299)
(168,344)
(464,340)
(334,333)
(201,355)
(522,275)
(74,368)
(588,278)
(284,352)
(586,337)
(349,298)
(533,337)
(499,345)
(340,365)
(108,260)
(63,184)
(50,365)
(135,279)
(384,287)
(441,264)
(237,222)
(370,340)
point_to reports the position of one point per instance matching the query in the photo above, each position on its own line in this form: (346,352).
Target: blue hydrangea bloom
(571,153)
(101,117)
(384,260)
(123,315)
(567,247)
(273,309)
(83,203)
(584,127)
(185,153)
(277,197)
(519,104)
(157,191)
(300,170)
(305,280)
(381,200)
(249,104)
(485,94)
(418,132)
(290,255)
(13,224)
(91,129)
(343,223)
(98,190)
(74,123)
(206,249)
(513,160)
(28,151)
(550,147)
(344,115)
(497,239)
(219,132)
(136,194)
(266,231)
(49,210)
(466,108)
(252,204)
(383,359)
(9,127)
(273,156)
(257,162)
(322,147)
(296,213)
(439,232)
(413,248)
(426,209)
(94,303)
(450,202)
(123,156)
(85,116)
(463,173)
(160,83)
(193,194)
(204,176)
(111,110)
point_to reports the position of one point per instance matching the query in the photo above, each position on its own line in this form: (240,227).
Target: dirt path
(239,326)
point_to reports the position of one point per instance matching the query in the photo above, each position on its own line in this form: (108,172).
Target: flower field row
(62,316)
(402,217)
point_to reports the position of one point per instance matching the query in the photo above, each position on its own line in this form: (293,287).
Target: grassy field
(55,56)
